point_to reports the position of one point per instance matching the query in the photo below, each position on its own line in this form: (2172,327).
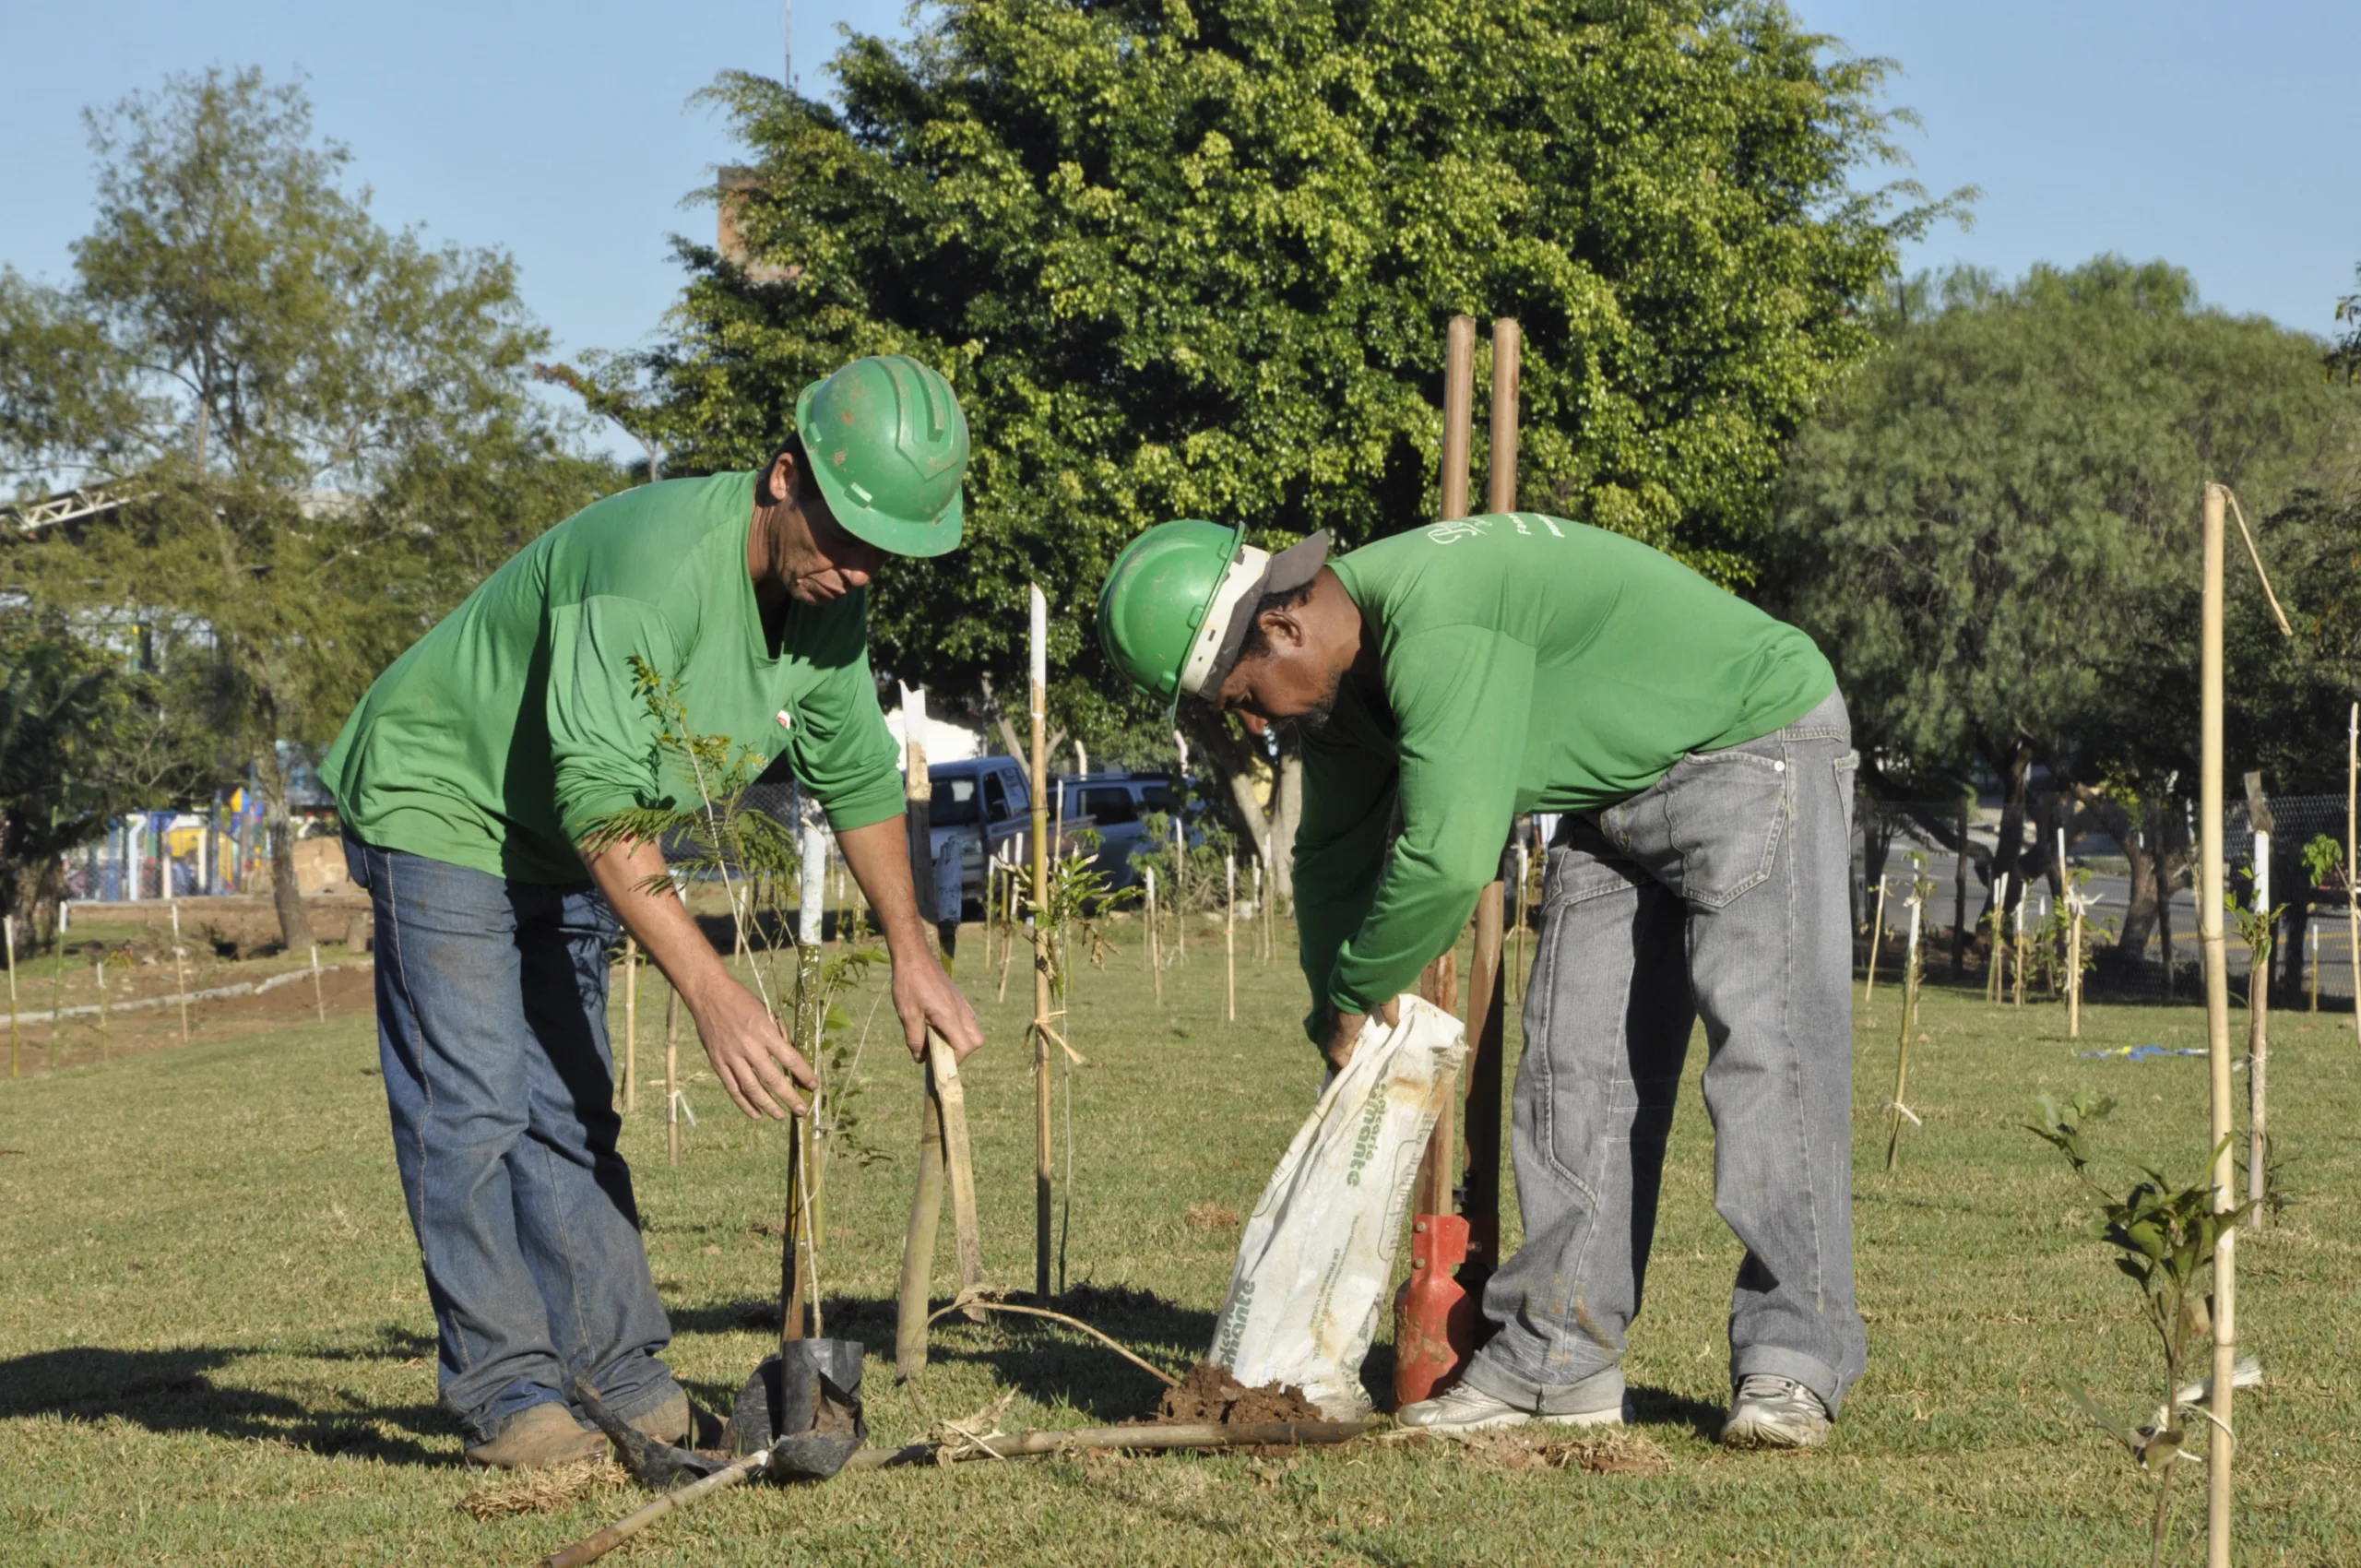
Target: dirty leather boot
(536,1436)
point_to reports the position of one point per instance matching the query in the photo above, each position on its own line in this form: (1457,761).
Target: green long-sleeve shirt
(505,734)
(1530,664)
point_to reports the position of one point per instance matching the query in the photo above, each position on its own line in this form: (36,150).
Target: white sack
(1318,1253)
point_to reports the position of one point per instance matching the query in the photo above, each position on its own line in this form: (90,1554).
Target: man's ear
(1280,627)
(779,482)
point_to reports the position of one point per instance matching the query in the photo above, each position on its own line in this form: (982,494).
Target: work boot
(1771,1411)
(1596,1401)
(677,1422)
(536,1436)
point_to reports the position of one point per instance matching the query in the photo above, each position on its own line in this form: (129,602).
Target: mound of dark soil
(1209,1395)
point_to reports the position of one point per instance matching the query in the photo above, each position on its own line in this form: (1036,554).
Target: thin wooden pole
(1230,938)
(2017,958)
(631,1024)
(2258,1034)
(2312,965)
(1155,947)
(2220,1445)
(2073,969)
(1516,970)
(1999,969)
(9,922)
(1900,1107)
(1877,931)
(2353,860)
(106,1023)
(180,969)
(1041,938)
(319,998)
(917,1241)
(56,978)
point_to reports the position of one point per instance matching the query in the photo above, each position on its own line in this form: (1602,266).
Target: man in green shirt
(1452,677)
(470,778)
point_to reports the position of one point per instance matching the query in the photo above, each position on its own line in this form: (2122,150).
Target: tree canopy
(1197,260)
(324,426)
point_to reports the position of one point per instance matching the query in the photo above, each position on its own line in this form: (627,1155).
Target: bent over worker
(1469,672)
(472,774)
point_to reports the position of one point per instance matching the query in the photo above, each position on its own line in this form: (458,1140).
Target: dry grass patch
(543,1491)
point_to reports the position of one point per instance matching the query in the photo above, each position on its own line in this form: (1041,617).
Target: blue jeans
(1718,891)
(492,1027)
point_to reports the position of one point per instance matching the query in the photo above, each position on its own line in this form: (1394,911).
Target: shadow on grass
(174,1391)
(1049,1362)
(1663,1408)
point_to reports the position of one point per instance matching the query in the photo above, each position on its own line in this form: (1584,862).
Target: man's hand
(1347,1034)
(750,1054)
(925,997)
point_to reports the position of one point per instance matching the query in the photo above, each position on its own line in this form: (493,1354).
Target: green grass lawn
(214,1345)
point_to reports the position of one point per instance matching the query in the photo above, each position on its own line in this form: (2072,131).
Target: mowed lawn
(214,1345)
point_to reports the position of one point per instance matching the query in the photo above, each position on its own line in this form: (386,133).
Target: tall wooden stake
(1877,931)
(180,969)
(2259,1036)
(917,1242)
(2219,1444)
(631,1024)
(2353,858)
(1230,938)
(10,924)
(1154,948)
(1041,936)
(1898,1106)
(106,1023)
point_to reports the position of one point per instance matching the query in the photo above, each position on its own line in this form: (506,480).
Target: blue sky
(2218,137)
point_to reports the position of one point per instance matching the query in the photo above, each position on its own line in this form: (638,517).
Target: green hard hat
(1169,613)
(888,444)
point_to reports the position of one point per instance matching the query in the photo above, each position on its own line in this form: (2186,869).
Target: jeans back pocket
(1727,811)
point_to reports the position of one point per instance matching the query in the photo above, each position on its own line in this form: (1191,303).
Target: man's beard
(1318,715)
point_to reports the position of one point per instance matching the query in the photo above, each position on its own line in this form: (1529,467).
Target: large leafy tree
(323,428)
(1991,530)
(1197,260)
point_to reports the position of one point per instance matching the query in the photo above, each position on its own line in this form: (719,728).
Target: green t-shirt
(1530,664)
(504,735)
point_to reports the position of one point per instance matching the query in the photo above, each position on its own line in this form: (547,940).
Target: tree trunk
(1242,762)
(2010,763)
(1280,867)
(278,823)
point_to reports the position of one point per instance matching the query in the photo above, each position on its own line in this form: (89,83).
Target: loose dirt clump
(1210,1395)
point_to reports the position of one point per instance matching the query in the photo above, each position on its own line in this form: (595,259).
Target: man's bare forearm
(879,857)
(661,921)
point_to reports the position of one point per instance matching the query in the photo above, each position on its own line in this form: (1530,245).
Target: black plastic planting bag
(804,1406)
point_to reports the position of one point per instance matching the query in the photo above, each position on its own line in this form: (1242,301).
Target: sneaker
(536,1436)
(1464,1409)
(1771,1411)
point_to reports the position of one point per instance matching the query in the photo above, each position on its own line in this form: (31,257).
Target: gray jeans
(1719,891)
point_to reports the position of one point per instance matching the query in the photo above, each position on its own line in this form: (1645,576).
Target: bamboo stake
(319,998)
(56,978)
(672,1076)
(917,1242)
(106,1025)
(2353,860)
(2258,1034)
(9,922)
(1230,938)
(631,1024)
(2220,1446)
(2017,959)
(1180,873)
(180,969)
(1041,1207)
(1898,1106)
(1999,969)
(2074,968)
(1877,929)
(2312,964)
(1155,949)
(1516,971)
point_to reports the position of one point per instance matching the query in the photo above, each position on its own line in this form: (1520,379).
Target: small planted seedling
(2257,923)
(2162,1236)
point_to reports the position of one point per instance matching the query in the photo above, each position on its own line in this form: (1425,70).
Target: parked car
(1114,801)
(980,807)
